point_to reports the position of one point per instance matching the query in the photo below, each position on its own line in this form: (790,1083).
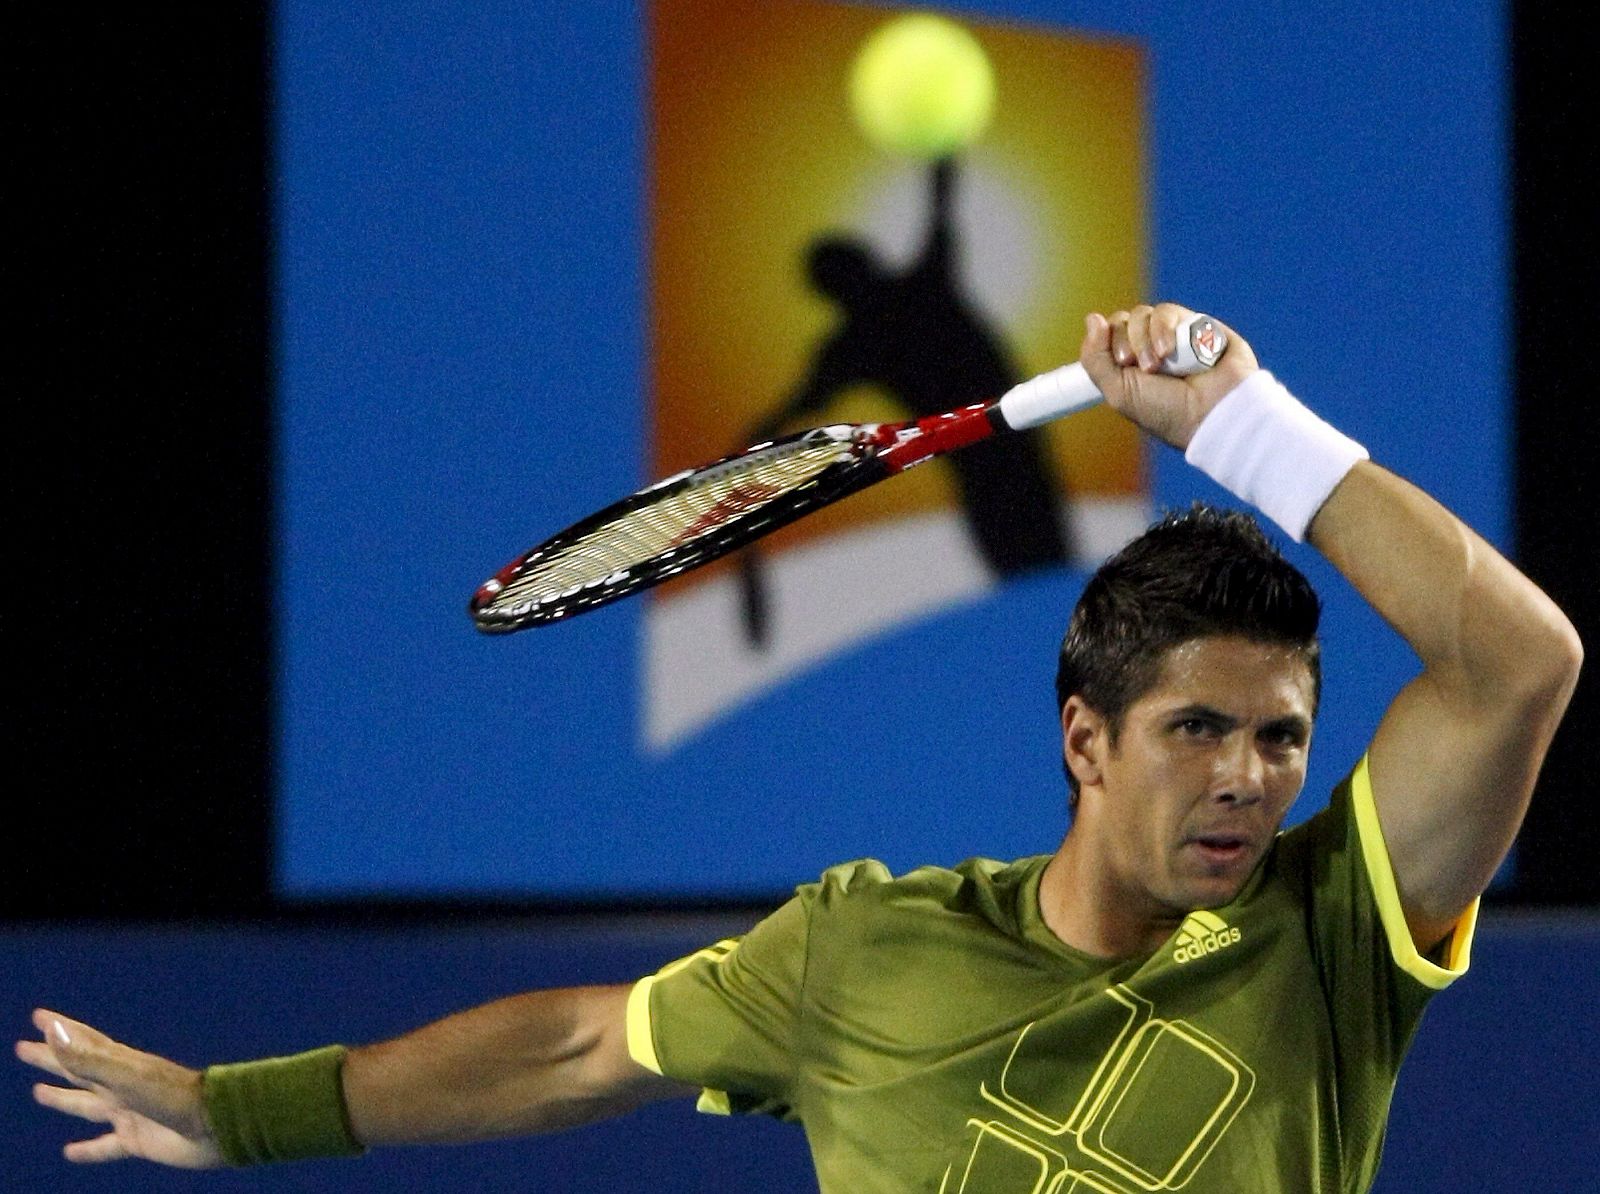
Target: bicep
(610,1066)
(1451,781)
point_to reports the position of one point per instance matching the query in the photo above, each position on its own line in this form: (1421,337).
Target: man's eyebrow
(1291,721)
(1296,722)
(1203,712)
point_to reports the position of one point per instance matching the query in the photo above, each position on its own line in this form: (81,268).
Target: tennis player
(1181,996)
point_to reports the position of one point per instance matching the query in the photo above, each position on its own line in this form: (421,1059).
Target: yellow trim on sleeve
(641,1037)
(714,1102)
(641,1029)
(1380,873)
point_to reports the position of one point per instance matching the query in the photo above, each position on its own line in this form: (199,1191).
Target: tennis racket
(702,514)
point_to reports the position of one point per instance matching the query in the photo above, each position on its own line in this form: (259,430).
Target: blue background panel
(462,222)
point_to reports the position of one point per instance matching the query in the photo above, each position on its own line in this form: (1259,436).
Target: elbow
(1573,647)
(1547,665)
(1564,654)
(1572,655)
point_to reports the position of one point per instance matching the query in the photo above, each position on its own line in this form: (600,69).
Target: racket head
(677,524)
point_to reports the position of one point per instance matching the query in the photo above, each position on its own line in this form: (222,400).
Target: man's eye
(1195,727)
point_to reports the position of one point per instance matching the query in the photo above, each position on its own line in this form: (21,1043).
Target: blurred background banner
(529,262)
(801,274)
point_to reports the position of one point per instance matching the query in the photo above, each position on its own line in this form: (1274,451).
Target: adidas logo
(1203,933)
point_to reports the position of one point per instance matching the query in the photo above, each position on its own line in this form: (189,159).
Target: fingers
(86,1056)
(1123,340)
(1096,337)
(151,1086)
(1165,319)
(1095,353)
(93,1152)
(70,1049)
(1145,336)
(84,1104)
(1130,339)
(62,1030)
(37,1053)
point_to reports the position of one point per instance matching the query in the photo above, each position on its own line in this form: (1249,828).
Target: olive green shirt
(932,1034)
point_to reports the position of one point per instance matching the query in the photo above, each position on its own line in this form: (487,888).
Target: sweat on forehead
(1238,676)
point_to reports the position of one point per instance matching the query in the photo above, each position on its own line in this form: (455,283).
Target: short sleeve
(1377,982)
(1454,954)
(727,1018)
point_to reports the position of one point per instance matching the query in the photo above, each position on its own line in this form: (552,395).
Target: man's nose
(1241,773)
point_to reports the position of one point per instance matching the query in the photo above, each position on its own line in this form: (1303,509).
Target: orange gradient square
(755,156)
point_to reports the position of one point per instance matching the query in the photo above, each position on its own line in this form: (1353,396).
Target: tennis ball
(922,85)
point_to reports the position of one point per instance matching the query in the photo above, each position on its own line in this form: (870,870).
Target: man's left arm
(1455,757)
(1454,760)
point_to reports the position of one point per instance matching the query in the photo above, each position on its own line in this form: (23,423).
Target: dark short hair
(1196,573)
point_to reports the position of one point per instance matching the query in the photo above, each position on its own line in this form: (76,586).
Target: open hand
(1123,352)
(152,1105)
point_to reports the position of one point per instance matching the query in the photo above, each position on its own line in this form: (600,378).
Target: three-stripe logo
(1203,933)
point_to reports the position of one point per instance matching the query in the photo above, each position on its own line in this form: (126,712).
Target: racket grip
(1201,343)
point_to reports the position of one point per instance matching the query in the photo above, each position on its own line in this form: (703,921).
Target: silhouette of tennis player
(914,334)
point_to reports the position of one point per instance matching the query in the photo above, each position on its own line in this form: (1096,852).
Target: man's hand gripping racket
(702,514)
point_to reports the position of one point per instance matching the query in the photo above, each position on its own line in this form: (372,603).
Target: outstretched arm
(531,1063)
(1455,757)
(527,1064)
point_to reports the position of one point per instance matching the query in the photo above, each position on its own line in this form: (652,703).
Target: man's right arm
(530,1063)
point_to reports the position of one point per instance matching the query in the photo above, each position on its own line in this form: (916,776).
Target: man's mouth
(1220,849)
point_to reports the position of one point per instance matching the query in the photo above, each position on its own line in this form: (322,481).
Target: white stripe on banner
(824,598)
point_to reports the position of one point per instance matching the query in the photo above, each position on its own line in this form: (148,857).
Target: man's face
(1205,766)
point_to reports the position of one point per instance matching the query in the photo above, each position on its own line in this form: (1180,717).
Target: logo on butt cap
(1208,341)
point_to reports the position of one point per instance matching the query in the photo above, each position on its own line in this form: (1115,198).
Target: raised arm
(1455,757)
(1453,761)
(531,1063)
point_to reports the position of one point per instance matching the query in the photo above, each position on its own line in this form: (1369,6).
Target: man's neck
(1085,905)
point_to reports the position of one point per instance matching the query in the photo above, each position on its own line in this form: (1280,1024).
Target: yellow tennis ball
(922,85)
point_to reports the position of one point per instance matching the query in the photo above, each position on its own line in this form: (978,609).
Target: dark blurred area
(137,616)
(1557,449)
(138,619)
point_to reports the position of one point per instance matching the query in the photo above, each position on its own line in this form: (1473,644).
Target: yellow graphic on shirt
(1161,1097)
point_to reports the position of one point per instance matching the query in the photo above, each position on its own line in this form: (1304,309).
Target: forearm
(1483,631)
(531,1063)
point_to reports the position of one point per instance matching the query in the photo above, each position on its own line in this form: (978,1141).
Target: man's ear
(1084,741)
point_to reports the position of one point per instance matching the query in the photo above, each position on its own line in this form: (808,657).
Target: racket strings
(714,498)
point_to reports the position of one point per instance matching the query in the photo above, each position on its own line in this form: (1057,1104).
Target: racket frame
(869,453)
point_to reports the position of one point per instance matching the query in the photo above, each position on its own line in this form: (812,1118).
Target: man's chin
(1210,891)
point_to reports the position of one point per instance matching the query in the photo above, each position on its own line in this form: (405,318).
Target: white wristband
(1262,445)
